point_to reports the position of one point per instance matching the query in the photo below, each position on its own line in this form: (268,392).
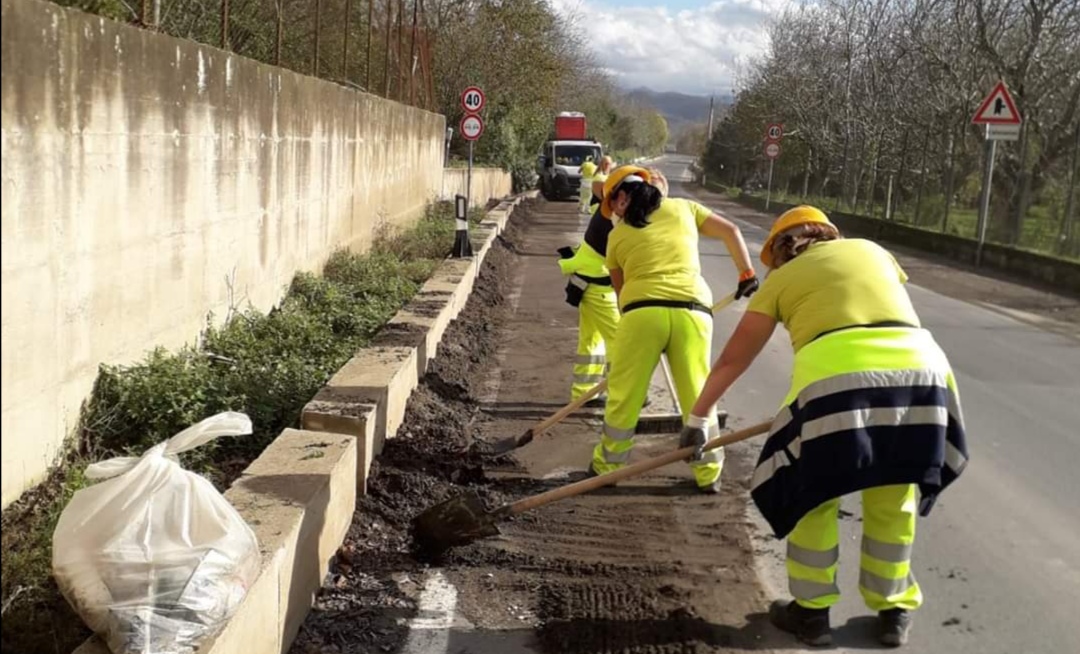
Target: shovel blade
(506,445)
(457,521)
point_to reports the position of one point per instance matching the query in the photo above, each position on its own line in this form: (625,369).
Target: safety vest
(867,407)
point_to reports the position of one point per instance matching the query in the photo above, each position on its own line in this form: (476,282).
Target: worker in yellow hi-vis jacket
(652,258)
(589,289)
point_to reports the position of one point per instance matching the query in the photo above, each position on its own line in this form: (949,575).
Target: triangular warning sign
(998,108)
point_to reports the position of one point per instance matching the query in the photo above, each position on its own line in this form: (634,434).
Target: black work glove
(747,287)
(693,437)
(566,252)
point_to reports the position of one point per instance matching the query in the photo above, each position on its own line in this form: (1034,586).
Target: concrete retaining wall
(149,181)
(1060,274)
(487,184)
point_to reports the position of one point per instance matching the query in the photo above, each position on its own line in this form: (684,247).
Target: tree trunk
(950,179)
(922,179)
(1066,239)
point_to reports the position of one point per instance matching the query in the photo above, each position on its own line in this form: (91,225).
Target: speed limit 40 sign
(774,132)
(472,100)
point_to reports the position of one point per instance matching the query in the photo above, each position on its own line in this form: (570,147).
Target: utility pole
(708,135)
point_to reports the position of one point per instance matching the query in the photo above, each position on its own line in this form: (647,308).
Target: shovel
(464,519)
(505,445)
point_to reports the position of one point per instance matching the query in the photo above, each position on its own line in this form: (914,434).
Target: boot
(810,626)
(596,403)
(710,489)
(895,624)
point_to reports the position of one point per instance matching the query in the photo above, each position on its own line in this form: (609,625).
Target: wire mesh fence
(380,46)
(932,179)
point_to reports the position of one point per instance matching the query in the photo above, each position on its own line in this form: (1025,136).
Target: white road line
(429,631)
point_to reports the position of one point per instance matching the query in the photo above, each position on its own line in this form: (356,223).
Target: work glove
(747,286)
(566,252)
(694,435)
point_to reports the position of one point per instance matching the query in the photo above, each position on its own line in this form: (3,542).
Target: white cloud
(694,50)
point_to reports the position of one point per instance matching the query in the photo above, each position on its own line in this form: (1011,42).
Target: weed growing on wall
(267,365)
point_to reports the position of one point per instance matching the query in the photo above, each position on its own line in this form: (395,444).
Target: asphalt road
(999,557)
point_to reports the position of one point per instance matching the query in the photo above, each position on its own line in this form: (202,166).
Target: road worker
(589,289)
(601,175)
(873,407)
(588,172)
(653,260)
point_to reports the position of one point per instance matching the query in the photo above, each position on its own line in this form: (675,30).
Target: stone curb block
(366,399)
(299,497)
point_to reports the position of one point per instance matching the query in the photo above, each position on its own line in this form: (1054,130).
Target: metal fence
(379,46)
(928,177)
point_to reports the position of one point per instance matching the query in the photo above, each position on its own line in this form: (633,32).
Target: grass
(1039,231)
(268,365)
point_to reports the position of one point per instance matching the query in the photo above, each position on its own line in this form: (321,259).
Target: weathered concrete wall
(1060,274)
(487,184)
(149,181)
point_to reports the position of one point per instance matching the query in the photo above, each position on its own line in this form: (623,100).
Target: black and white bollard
(462,244)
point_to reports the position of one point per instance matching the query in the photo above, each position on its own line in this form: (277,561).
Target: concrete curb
(366,399)
(299,496)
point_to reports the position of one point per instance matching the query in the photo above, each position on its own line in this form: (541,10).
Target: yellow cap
(614,180)
(800,215)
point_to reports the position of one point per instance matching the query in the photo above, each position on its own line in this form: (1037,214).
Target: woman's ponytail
(644,199)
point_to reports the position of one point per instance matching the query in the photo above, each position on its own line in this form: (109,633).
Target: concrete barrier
(151,181)
(367,398)
(487,184)
(299,498)
(1060,274)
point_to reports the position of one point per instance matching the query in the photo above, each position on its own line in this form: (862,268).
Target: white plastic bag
(153,558)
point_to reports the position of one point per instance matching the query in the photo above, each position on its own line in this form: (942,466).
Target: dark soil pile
(367,601)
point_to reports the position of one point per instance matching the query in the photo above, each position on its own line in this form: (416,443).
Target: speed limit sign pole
(472,126)
(773,133)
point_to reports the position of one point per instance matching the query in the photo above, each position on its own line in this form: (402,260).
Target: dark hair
(794,242)
(644,199)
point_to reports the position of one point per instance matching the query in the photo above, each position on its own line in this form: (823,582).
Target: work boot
(810,626)
(710,489)
(596,403)
(895,625)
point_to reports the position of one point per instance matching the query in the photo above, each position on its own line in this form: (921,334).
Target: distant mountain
(677,108)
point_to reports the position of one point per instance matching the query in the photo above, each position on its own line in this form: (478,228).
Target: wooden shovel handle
(641,467)
(559,415)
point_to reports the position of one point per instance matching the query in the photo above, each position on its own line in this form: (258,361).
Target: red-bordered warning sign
(998,108)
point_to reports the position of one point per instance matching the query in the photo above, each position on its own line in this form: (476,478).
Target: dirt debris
(364,607)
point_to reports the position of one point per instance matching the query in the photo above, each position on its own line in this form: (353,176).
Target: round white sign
(772,150)
(471,127)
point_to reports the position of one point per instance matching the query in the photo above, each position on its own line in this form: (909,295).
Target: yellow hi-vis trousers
(598,318)
(643,335)
(885,577)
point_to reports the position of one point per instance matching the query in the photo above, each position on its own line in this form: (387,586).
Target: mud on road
(650,566)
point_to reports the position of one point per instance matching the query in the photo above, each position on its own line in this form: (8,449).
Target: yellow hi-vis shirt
(586,261)
(660,261)
(833,285)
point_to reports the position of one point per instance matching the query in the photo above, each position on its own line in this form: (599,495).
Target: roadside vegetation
(267,365)
(876,102)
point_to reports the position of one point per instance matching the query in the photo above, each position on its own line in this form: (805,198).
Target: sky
(693,47)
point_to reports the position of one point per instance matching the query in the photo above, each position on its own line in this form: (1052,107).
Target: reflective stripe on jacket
(868,407)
